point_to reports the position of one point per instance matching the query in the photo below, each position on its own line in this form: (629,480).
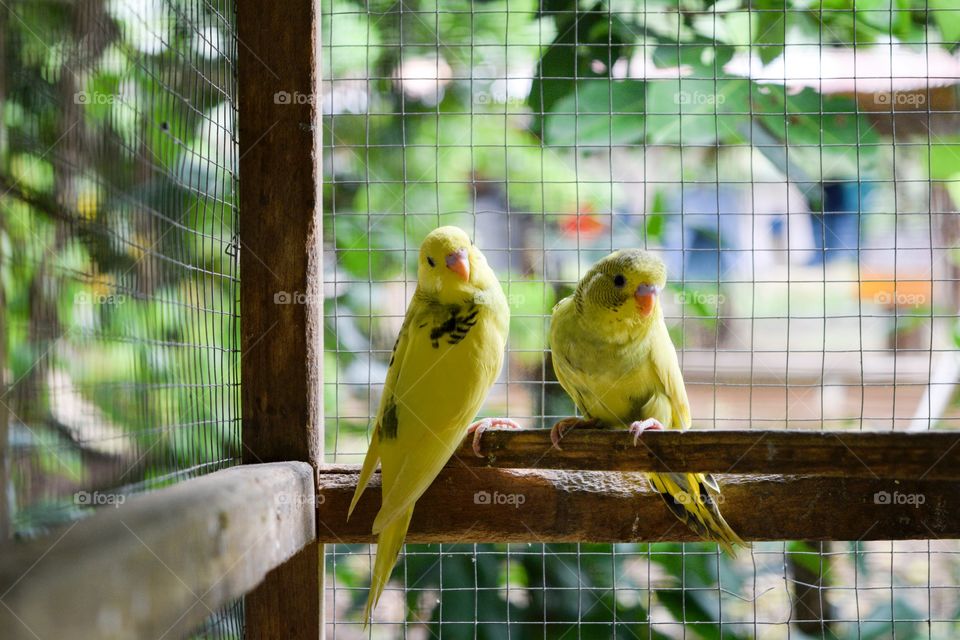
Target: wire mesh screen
(794,164)
(118,190)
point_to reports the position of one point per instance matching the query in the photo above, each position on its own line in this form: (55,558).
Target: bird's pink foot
(561,428)
(478,427)
(638,427)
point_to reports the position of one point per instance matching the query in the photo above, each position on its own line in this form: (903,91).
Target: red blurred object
(583,223)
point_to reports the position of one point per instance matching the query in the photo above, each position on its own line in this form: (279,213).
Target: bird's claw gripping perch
(478,427)
(638,427)
(560,429)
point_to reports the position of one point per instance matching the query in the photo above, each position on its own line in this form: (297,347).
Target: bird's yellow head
(623,288)
(449,264)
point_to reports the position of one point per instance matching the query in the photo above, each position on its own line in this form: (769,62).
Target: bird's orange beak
(646,297)
(459,263)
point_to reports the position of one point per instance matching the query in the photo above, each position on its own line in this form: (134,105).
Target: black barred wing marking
(456,326)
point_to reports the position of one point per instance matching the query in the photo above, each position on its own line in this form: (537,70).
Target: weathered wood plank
(927,456)
(281,284)
(496,505)
(159,564)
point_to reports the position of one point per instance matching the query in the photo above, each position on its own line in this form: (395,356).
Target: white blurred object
(938,393)
(423,79)
(878,68)
(89,427)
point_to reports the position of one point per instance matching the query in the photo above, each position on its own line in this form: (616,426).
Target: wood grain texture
(926,456)
(281,277)
(280,232)
(269,603)
(159,564)
(499,505)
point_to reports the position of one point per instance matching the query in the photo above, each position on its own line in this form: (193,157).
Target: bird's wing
(386,401)
(667,367)
(438,391)
(562,342)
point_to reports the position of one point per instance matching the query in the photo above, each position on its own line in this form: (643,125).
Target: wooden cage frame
(160,564)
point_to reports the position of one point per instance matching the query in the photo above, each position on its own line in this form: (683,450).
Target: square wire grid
(118,260)
(794,165)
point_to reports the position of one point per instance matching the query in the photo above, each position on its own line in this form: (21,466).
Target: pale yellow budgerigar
(612,353)
(446,358)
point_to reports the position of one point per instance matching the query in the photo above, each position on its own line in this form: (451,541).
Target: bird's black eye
(619,280)
(430,261)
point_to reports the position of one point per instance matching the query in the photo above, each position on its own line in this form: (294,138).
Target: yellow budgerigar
(613,355)
(446,358)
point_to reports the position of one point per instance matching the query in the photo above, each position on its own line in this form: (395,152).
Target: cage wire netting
(796,166)
(120,287)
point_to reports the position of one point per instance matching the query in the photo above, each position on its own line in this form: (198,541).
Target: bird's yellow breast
(609,381)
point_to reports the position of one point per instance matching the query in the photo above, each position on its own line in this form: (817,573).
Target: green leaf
(806,555)
(946,15)
(598,112)
(704,57)
(874,13)
(592,36)
(945,158)
(693,111)
(835,137)
(656,222)
(812,118)
(769,29)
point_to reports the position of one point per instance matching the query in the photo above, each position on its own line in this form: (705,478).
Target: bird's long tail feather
(389,543)
(688,497)
(369,464)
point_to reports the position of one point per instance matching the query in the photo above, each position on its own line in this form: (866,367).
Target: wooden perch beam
(924,456)
(158,565)
(495,505)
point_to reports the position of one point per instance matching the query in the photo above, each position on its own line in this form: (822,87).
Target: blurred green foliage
(118,276)
(120,286)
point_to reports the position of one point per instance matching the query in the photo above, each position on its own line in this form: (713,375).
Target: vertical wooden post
(281,279)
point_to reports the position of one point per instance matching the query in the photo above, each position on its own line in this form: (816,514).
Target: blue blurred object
(836,231)
(702,243)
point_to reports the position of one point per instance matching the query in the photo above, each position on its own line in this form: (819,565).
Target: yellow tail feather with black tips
(687,496)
